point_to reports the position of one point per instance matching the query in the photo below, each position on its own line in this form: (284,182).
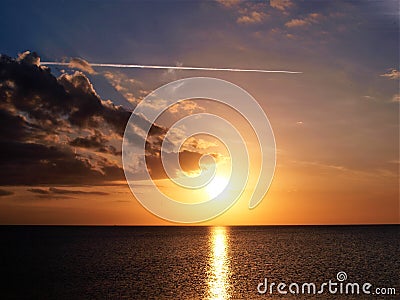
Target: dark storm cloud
(94,141)
(33,90)
(97,141)
(31,163)
(36,111)
(29,58)
(86,108)
(44,120)
(15,127)
(30,89)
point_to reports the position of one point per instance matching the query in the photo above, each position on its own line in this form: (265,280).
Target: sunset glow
(324,74)
(207,149)
(216,186)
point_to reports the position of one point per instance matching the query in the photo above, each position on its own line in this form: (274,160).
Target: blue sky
(164,32)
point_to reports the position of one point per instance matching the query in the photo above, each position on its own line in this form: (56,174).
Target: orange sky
(336,125)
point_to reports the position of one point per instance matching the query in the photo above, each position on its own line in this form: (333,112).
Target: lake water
(194,262)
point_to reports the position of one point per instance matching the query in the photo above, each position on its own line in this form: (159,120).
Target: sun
(216,186)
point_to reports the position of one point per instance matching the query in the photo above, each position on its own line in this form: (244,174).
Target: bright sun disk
(216,186)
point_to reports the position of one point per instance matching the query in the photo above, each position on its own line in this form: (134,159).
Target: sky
(336,124)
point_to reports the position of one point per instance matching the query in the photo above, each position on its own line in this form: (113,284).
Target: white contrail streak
(172,67)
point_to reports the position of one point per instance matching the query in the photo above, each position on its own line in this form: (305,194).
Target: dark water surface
(63,262)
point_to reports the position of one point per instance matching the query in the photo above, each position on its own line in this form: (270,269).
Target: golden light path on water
(218,280)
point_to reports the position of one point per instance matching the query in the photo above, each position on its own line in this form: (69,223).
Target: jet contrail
(171,67)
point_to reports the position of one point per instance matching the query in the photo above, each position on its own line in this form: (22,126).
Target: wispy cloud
(358,172)
(251,18)
(296,23)
(130,88)
(81,64)
(248,12)
(75,192)
(187,106)
(367,97)
(53,190)
(392,74)
(309,20)
(229,3)
(396,98)
(281,5)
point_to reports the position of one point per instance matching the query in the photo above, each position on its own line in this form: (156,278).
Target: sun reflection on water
(218,280)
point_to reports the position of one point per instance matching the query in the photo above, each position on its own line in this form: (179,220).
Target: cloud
(296,23)
(32,164)
(19,127)
(198,144)
(367,97)
(392,74)
(396,98)
(187,107)
(189,161)
(5,193)
(57,130)
(75,192)
(251,18)
(248,12)
(397,162)
(56,191)
(39,191)
(40,113)
(281,5)
(29,58)
(81,64)
(229,3)
(309,20)
(97,141)
(171,74)
(132,89)
(48,101)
